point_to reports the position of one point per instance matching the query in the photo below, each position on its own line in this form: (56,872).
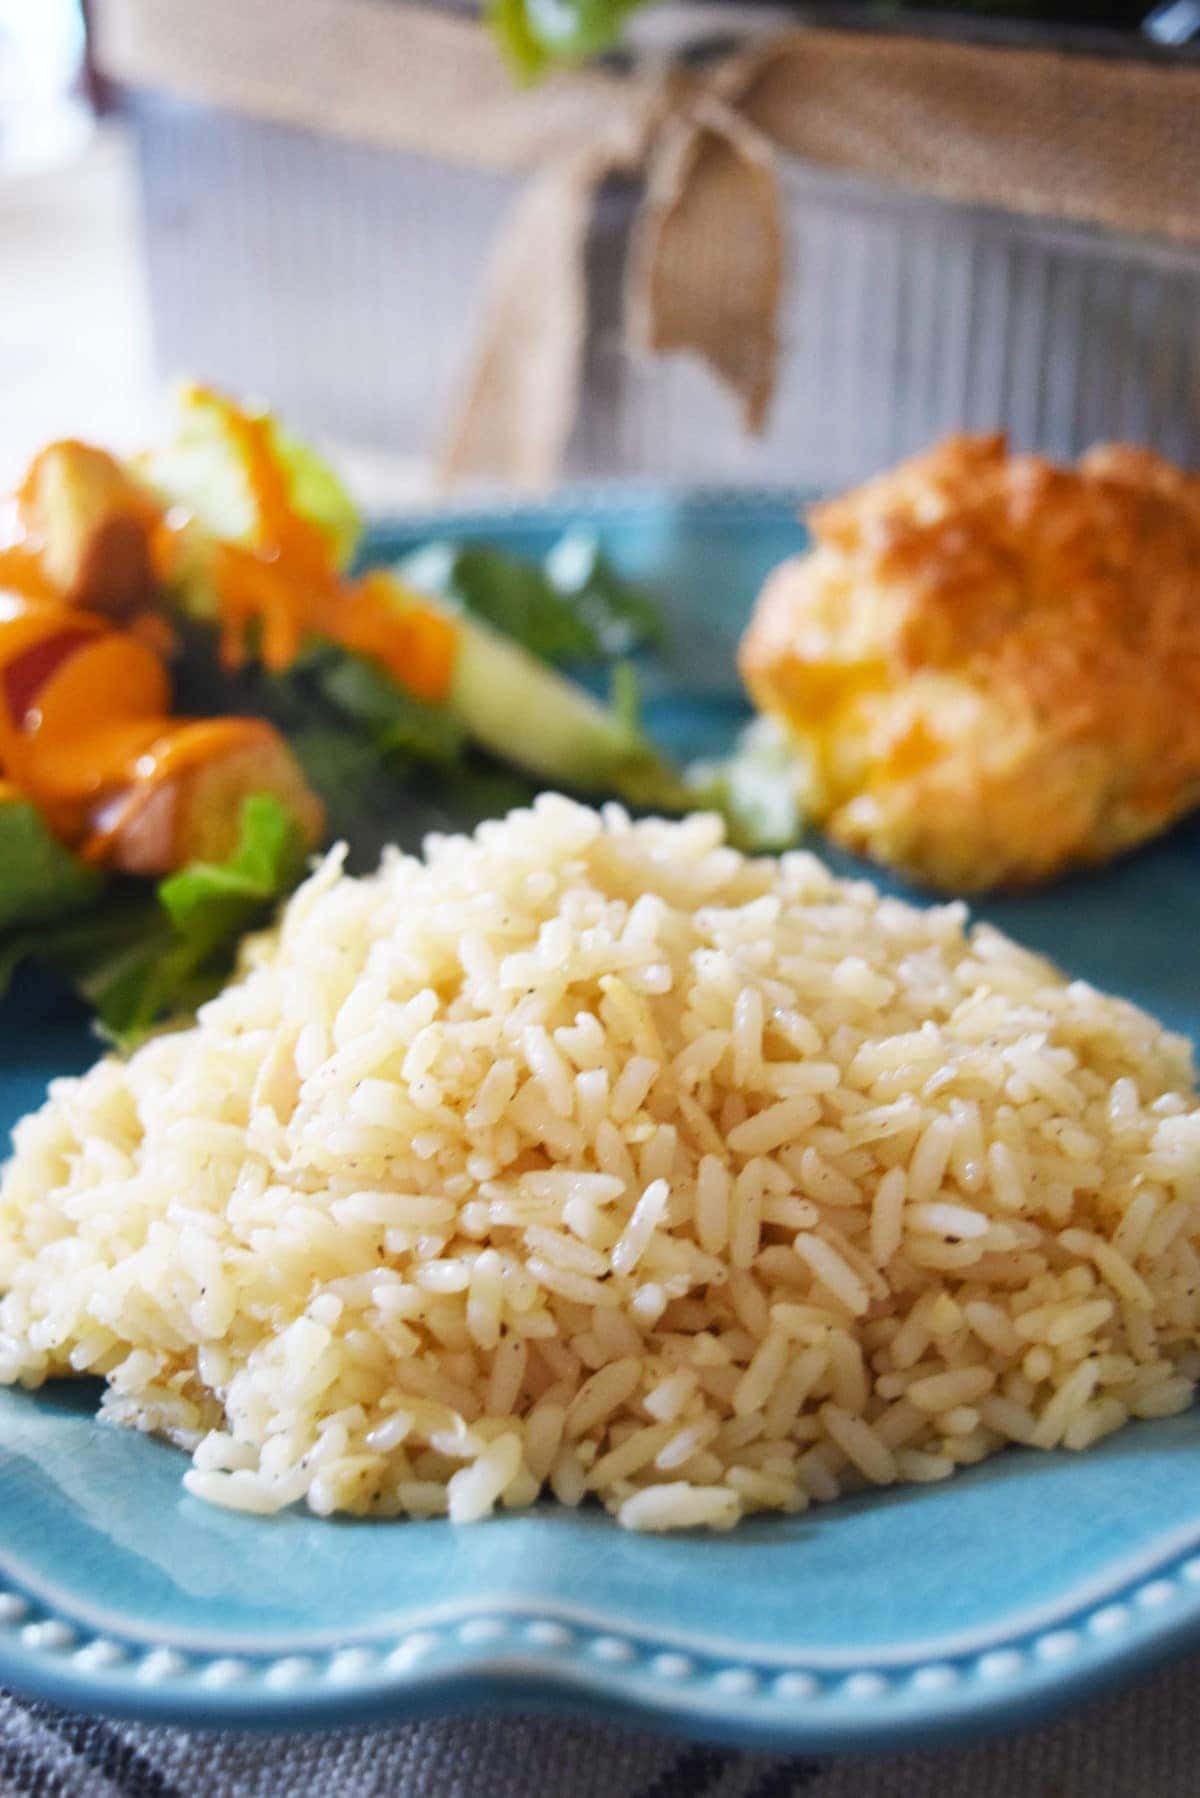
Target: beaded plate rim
(460,1656)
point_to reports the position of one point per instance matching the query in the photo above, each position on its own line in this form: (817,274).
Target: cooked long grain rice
(590,1155)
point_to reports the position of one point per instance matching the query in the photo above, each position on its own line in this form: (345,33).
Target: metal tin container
(344,282)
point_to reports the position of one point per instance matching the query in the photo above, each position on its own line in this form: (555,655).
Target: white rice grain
(590,1155)
(679,1506)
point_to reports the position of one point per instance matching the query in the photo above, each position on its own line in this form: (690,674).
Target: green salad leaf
(203,468)
(511,595)
(212,903)
(317,494)
(139,957)
(359,792)
(625,695)
(621,616)
(398,726)
(574,607)
(39,878)
(757,788)
(95,951)
(536,34)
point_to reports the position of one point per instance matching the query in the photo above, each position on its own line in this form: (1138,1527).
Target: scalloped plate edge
(450,1658)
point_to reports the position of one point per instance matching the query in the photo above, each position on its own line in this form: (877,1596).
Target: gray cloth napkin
(1141,1742)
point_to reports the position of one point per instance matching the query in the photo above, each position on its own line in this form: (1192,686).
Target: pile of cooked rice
(590,1155)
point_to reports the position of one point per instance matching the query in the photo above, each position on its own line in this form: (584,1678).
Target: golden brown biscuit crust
(991,663)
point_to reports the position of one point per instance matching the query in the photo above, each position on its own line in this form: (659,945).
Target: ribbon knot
(704,274)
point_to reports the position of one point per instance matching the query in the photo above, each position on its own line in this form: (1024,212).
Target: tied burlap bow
(1103,140)
(706,266)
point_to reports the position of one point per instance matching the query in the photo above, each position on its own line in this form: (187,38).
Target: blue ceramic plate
(909,1614)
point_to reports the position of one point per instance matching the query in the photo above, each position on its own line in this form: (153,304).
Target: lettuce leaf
(536,34)
(621,616)
(513,596)
(759,789)
(212,903)
(203,469)
(140,957)
(398,726)
(39,878)
(574,607)
(317,493)
(91,952)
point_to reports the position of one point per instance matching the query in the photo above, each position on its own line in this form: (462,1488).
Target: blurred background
(147,233)
(75,342)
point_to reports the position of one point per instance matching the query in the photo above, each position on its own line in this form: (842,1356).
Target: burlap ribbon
(705,274)
(1114,142)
